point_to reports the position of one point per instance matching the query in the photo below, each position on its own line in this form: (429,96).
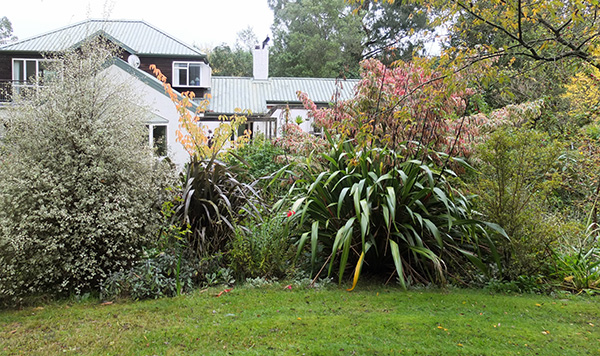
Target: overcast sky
(205,23)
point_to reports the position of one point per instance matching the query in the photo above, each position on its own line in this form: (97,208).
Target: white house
(186,69)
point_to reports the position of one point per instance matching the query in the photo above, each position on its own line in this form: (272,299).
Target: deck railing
(6,87)
(10,88)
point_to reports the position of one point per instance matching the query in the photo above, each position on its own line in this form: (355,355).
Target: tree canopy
(6,31)
(392,30)
(329,38)
(544,31)
(314,38)
(237,61)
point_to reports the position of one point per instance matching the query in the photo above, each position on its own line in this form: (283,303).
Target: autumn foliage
(195,137)
(406,102)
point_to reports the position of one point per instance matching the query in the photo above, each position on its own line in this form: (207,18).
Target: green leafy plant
(223,275)
(517,176)
(259,157)
(535,284)
(213,200)
(377,207)
(164,275)
(578,265)
(172,236)
(263,249)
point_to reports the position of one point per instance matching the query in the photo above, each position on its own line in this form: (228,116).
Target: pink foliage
(395,104)
(297,142)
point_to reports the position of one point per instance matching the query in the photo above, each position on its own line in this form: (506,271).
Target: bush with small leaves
(518,174)
(79,187)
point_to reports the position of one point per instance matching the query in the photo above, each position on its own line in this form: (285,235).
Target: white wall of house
(279,115)
(162,106)
(306,124)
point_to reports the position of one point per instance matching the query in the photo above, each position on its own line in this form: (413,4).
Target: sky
(204,23)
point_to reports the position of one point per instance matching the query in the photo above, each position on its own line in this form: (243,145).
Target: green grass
(276,321)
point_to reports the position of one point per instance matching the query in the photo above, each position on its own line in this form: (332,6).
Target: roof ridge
(191,48)
(100,22)
(285,78)
(28,39)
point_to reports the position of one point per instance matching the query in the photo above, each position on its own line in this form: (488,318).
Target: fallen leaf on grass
(224,291)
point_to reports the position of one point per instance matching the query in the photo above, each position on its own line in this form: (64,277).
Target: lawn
(278,321)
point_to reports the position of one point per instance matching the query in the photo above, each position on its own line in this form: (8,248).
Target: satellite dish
(133,61)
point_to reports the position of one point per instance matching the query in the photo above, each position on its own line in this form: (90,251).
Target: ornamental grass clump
(392,213)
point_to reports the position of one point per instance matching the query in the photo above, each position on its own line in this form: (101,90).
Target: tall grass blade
(398,262)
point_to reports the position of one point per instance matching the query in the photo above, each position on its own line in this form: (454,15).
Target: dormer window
(191,74)
(186,74)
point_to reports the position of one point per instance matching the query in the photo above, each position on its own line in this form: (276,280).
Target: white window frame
(151,137)
(27,82)
(176,82)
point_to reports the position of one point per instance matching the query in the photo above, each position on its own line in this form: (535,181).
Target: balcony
(5,91)
(10,88)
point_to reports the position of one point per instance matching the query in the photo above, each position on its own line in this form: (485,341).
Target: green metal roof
(149,80)
(137,37)
(230,93)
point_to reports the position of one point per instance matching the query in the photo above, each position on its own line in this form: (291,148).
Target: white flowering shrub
(79,187)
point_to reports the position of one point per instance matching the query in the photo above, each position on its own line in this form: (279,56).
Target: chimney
(260,69)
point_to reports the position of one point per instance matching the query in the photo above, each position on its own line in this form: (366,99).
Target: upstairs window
(28,71)
(187,74)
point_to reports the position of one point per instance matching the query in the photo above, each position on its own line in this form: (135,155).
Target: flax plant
(377,207)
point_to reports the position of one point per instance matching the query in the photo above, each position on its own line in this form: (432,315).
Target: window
(157,137)
(28,71)
(187,74)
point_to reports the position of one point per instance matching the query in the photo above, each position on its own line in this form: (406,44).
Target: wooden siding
(166,67)
(6,63)
(163,63)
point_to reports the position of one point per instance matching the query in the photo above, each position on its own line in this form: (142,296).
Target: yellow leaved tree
(196,138)
(583,93)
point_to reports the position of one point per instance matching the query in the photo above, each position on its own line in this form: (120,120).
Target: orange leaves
(158,74)
(223,292)
(194,136)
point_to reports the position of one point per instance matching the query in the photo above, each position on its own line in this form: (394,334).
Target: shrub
(296,142)
(517,176)
(263,249)
(78,184)
(377,207)
(393,105)
(260,157)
